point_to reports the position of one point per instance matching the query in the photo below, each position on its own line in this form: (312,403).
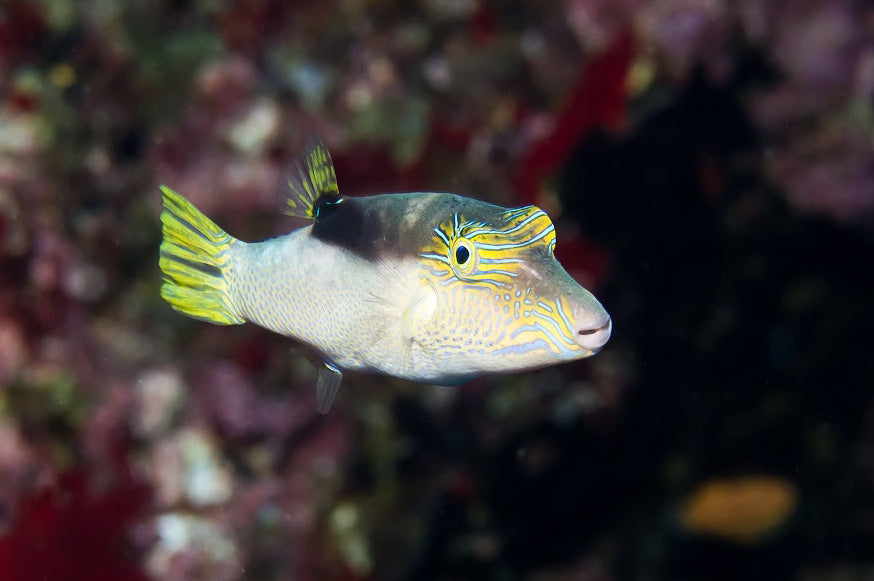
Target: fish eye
(462,254)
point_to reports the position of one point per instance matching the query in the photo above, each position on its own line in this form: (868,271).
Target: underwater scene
(436,290)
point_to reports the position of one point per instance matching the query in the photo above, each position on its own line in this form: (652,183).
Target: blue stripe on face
(497,283)
(442,236)
(473,287)
(501,260)
(538,327)
(516,228)
(436,257)
(523,347)
(511,214)
(563,316)
(518,244)
(556,325)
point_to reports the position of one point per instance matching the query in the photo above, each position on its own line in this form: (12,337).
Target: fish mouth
(593,332)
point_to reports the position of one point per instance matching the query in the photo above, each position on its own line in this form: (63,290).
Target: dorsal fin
(313,183)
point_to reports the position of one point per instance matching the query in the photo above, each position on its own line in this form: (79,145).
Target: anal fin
(327,386)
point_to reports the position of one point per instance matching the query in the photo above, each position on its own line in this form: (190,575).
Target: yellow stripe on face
(513,319)
(497,250)
(476,321)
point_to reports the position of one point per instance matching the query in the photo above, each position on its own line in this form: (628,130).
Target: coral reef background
(709,165)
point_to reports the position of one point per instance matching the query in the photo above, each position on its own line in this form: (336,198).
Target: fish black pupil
(461,254)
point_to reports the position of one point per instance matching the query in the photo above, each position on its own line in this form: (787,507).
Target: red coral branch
(597,100)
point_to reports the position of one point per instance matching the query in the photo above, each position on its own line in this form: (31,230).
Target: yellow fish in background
(429,287)
(744,510)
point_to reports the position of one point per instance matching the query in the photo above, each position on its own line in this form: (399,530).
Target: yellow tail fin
(194,255)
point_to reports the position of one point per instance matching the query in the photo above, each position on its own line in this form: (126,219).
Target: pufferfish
(430,287)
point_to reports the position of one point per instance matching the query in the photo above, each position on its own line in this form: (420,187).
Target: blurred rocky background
(709,165)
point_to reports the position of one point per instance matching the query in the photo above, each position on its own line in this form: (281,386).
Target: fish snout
(592,327)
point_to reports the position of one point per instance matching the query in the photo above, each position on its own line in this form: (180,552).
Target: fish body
(429,287)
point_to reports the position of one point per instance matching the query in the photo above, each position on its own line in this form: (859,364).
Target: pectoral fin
(327,386)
